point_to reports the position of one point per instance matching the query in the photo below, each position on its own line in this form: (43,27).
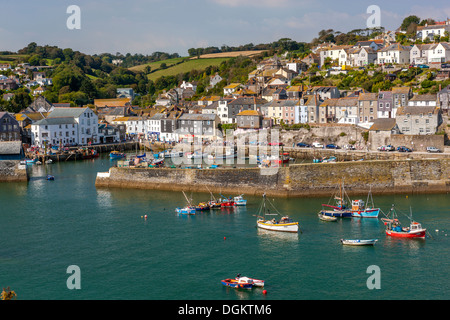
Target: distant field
(156,65)
(11,58)
(189,65)
(231,54)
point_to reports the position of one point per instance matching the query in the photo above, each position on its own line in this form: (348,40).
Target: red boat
(394,228)
(227,203)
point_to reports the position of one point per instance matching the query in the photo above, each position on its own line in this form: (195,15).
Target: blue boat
(50,177)
(361,210)
(116,155)
(186,210)
(340,210)
(240,201)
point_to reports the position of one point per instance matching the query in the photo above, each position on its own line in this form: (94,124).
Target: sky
(174,26)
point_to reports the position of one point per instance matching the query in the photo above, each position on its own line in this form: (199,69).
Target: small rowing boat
(326,218)
(359,242)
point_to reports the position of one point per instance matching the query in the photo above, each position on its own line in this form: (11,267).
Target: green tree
(408,20)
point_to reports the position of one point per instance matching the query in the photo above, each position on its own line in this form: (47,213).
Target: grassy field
(157,64)
(174,69)
(12,58)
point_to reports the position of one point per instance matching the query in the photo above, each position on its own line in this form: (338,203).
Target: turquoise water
(46,226)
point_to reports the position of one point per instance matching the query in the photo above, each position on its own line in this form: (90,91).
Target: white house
(363,56)
(395,53)
(135,126)
(66,126)
(154,125)
(419,53)
(429,31)
(423,100)
(213,80)
(334,53)
(439,52)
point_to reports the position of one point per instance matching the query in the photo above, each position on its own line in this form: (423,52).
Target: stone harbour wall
(299,180)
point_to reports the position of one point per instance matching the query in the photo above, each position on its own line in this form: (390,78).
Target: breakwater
(13,171)
(298,180)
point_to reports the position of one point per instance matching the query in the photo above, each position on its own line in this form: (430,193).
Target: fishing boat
(395,229)
(227,202)
(359,242)
(187,210)
(116,155)
(202,206)
(284,224)
(255,282)
(339,210)
(360,210)
(239,200)
(326,218)
(213,203)
(236,284)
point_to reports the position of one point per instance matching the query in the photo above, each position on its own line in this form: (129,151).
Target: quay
(296,180)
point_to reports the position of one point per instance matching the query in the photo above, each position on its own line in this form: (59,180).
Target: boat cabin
(357,205)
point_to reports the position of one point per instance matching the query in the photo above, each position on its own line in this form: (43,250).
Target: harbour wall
(298,180)
(13,171)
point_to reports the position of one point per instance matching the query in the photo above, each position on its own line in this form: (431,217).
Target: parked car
(303,145)
(445,65)
(276,144)
(423,66)
(317,145)
(332,146)
(349,147)
(403,149)
(386,148)
(433,149)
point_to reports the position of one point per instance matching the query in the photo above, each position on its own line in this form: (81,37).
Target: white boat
(255,282)
(284,224)
(359,242)
(196,155)
(240,201)
(326,218)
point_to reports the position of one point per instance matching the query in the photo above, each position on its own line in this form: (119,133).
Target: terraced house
(418,120)
(9,127)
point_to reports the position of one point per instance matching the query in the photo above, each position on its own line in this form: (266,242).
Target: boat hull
(186,211)
(405,234)
(235,284)
(368,213)
(281,227)
(337,213)
(359,242)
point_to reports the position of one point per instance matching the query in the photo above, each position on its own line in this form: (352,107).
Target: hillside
(178,65)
